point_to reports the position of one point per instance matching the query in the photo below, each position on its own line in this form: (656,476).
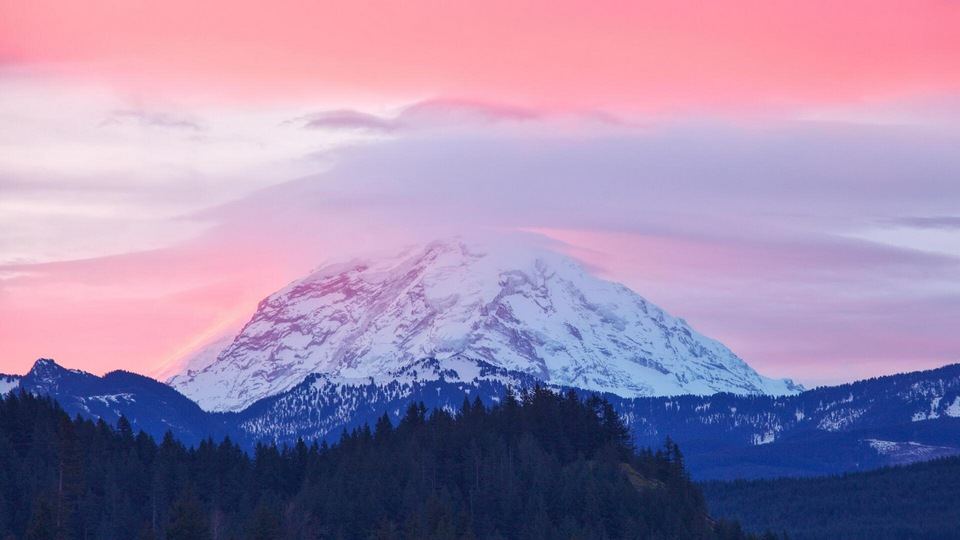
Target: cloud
(467,112)
(11,274)
(932,222)
(151,119)
(429,114)
(752,232)
(85,172)
(692,179)
(347,119)
(745,231)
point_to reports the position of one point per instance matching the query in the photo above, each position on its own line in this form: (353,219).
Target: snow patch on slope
(111,399)
(909,452)
(953,410)
(764,438)
(8,383)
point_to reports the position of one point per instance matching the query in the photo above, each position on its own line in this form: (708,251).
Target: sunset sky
(784,175)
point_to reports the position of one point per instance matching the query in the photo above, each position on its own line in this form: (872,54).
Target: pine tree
(187,520)
(383,432)
(265,524)
(43,525)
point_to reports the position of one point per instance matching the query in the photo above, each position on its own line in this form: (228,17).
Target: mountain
(871,423)
(322,406)
(868,424)
(519,308)
(147,403)
(864,425)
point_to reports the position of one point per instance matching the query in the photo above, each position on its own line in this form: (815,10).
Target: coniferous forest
(915,501)
(536,465)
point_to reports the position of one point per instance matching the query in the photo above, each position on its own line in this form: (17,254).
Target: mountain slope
(888,420)
(517,308)
(322,406)
(148,404)
(863,425)
(872,423)
(867,424)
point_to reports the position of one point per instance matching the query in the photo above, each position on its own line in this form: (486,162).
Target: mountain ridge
(888,420)
(147,404)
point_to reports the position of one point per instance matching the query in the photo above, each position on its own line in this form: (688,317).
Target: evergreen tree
(187,520)
(265,524)
(43,525)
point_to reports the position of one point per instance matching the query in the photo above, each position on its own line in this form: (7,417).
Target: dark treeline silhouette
(536,465)
(915,501)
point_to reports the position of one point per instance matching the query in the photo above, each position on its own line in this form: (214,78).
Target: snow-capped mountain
(515,307)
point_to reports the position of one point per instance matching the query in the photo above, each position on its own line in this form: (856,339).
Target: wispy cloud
(86,173)
(420,115)
(461,112)
(151,119)
(347,119)
(926,222)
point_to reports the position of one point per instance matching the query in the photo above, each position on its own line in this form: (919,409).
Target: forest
(915,501)
(536,465)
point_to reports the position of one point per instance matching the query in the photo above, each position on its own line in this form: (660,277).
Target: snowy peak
(46,376)
(515,307)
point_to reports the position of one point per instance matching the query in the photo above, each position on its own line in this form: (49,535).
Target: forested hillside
(539,465)
(915,501)
(865,425)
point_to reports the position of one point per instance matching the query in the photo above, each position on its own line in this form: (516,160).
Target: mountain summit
(527,310)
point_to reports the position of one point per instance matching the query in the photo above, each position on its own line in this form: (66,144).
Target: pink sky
(782,174)
(611,55)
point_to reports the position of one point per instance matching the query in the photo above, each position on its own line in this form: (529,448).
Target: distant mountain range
(889,420)
(863,425)
(149,404)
